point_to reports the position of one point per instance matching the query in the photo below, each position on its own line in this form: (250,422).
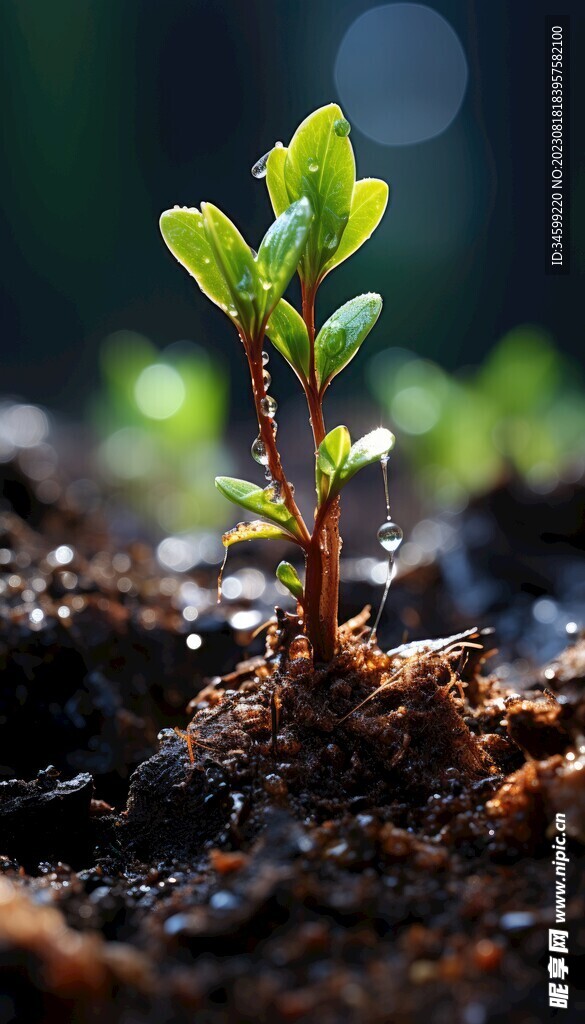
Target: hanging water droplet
(268,405)
(390,536)
(259,453)
(260,167)
(266,378)
(341,127)
(268,474)
(265,358)
(274,426)
(313,165)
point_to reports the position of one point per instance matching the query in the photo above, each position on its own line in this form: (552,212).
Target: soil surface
(367,841)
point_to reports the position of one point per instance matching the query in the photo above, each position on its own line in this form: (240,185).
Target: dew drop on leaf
(390,536)
(274,492)
(313,165)
(259,453)
(341,127)
(268,405)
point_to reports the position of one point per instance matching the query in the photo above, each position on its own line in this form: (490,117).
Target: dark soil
(368,841)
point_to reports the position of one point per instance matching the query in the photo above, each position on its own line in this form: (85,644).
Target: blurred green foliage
(161,417)
(522,411)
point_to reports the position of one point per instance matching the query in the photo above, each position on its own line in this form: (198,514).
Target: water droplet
(259,453)
(266,378)
(274,426)
(260,167)
(331,240)
(278,145)
(300,648)
(265,358)
(268,405)
(207,260)
(390,536)
(341,127)
(313,165)
(274,492)
(266,285)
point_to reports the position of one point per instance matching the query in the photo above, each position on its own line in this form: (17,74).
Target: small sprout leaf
(370,448)
(255,499)
(256,530)
(333,452)
(369,201)
(342,334)
(281,249)
(185,235)
(289,577)
(237,264)
(275,180)
(320,165)
(288,333)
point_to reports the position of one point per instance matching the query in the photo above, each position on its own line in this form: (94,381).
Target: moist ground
(366,841)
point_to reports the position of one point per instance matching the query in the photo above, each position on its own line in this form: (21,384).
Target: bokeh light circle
(159,391)
(401,73)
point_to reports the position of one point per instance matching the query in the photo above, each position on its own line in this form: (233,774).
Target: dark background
(114,111)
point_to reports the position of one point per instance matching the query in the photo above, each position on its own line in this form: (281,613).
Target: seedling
(323,216)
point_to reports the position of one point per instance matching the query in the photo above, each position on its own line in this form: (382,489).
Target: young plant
(323,216)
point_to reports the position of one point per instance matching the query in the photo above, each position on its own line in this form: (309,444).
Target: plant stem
(322,569)
(254,354)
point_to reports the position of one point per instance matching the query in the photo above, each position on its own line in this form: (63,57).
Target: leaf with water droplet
(256,530)
(184,234)
(288,333)
(320,165)
(370,448)
(368,203)
(289,577)
(331,456)
(281,249)
(343,333)
(277,190)
(237,264)
(255,499)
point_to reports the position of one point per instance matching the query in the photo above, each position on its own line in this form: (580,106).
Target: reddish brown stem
(322,568)
(254,354)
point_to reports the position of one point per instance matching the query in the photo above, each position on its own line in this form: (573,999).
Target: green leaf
(237,264)
(343,333)
(281,249)
(368,449)
(320,165)
(333,451)
(289,577)
(257,500)
(288,333)
(256,530)
(368,203)
(185,235)
(275,180)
